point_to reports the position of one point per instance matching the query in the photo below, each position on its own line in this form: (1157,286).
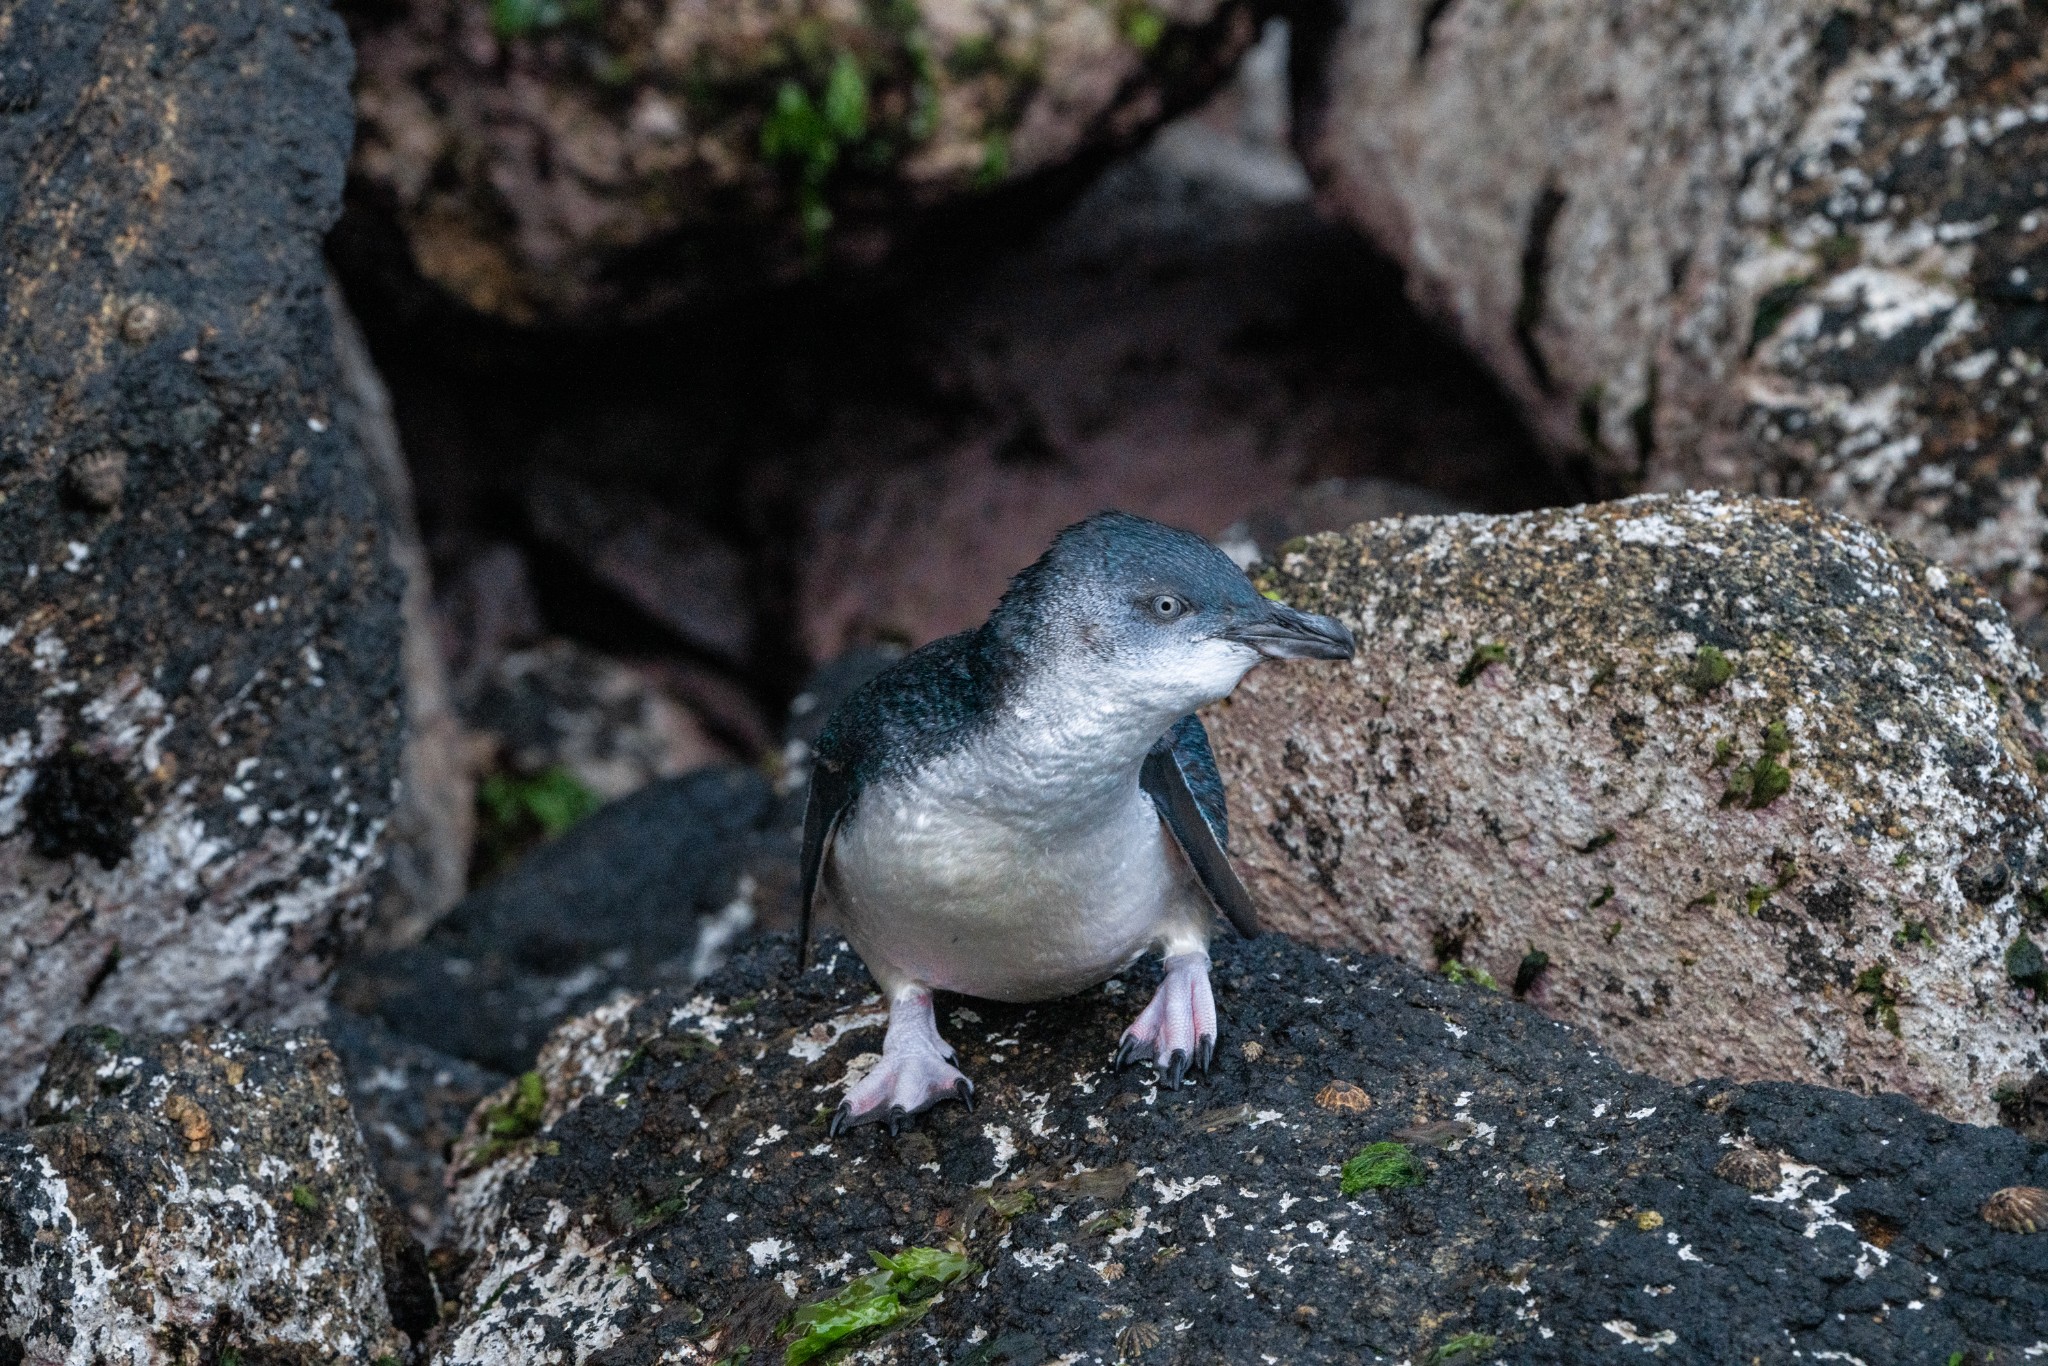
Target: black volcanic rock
(199,689)
(668,1184)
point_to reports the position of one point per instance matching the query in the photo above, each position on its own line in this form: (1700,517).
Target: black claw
(964,1090)
(896,1117)
(1176,1069)
(1124,1049)
(840,1122)
(1205,1051)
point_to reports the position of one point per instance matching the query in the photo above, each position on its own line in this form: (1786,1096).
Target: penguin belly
(1012,902)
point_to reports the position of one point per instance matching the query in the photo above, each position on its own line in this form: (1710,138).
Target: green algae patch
(515,1119)
(1462,1350)
(895,1293)
(1710,668)
(1484,656)
(1379,1167)
(1531,967)
(1764,779)
(2025,965)
(1464,974)
(1882,999)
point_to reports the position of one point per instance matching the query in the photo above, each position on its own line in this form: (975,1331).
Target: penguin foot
(916,1072)
(1178,1030)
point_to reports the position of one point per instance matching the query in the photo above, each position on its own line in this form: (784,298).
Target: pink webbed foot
(1178,1030)
(916,1071)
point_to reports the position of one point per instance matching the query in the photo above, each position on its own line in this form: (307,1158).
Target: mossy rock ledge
(584,163)
(1743,788)
(662,1190)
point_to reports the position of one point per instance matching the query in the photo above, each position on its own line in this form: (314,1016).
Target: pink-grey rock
(1795,249)
(1760,783)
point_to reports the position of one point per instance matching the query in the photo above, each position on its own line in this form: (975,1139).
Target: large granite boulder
(201,1197)
(662,1190)
(1795,248)
(199,685)
(1742,788)
(586,164)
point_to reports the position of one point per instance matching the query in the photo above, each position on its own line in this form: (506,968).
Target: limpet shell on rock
(2017,1209)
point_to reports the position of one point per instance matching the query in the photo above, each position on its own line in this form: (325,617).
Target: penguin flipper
(1198,827)
(831,793)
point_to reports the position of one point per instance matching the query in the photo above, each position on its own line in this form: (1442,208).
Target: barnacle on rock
(95,479)
(1750,1168)
(1136,1339)
(1344,1095)
(141,322)
(1252,1050)
(2017,1209)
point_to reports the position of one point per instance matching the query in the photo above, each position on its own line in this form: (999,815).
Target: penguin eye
(1166,606)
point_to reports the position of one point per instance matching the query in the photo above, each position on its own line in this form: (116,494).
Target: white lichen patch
(209,921)
(818,1040)
(535,1298)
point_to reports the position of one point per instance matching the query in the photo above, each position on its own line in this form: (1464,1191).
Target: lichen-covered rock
(200,1197)
(1743,788)
(666,1193)
(587,164)
(198,632)
(1795,248)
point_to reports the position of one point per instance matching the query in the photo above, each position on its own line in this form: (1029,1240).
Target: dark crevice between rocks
(725,422)
(1543,216)
(1432,14)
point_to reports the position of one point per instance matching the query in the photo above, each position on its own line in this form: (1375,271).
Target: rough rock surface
(1761,784)
(675,1197)
(198,632)
(201,1197)
(586,164)
(636,894)
(1795,248)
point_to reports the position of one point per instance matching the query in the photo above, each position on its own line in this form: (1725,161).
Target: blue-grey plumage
(1023,810)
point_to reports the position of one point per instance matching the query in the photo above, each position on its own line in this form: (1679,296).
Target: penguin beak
(1278,631)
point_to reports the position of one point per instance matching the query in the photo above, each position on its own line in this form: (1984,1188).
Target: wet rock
(411,1103)
(594,165)
(198,677)
(649,889)
(195,1197)
(673,1197)
(1792,249)
(1722,761)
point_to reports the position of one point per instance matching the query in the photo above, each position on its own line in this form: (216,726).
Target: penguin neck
(1062,741)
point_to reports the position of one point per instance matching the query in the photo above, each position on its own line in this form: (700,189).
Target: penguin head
(1146,614)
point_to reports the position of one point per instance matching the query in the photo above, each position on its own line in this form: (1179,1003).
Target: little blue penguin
(1023,810)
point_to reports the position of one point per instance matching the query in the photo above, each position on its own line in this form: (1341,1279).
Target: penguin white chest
(947,881)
